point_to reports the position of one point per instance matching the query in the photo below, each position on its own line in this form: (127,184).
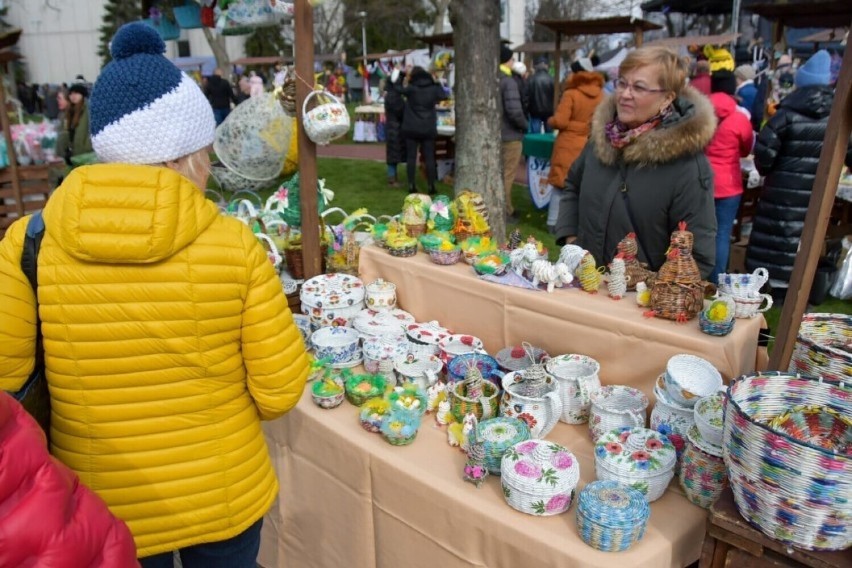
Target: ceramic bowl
(325,399)
(340,344)
(709,417)
(451,346)
(689,378)
(303,322)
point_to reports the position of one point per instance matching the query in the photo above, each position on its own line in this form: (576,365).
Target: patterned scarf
(619,135)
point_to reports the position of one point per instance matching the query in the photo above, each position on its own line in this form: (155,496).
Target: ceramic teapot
(540,413)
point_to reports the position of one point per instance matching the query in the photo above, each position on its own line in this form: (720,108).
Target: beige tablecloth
(348,498)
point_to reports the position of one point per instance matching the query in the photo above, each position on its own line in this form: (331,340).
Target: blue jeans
(539,124)
(220,114)
(237,552)
(726,212)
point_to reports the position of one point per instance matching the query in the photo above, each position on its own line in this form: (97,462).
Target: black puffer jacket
(420,119)
(394,108)
(787,153)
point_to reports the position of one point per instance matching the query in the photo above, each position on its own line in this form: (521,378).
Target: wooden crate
(35,184)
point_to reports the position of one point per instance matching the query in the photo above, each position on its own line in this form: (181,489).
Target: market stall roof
(718,39)
(445,39)
(802,13)
(689,6)
(546,47)
(825,36)
(268,60)
(613,25)
(206,65)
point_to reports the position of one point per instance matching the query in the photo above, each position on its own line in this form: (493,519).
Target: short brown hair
(673,68)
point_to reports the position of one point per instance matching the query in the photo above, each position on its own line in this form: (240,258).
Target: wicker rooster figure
(617,282)
(634,270)
(677,293)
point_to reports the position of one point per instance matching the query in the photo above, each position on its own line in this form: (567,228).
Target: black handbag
(34,395)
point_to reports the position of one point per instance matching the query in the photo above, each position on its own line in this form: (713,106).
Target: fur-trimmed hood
(685,132)
(590,83)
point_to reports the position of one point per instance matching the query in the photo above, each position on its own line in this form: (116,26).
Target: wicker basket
(445,257)
(677,301)
(611,517)
(824,347)
(415,230)
(794,491)
(498,435)
(484,407)
(714,328)
(373,413)
(325,400)
(400,428)
(539,477)
(402,251)
(358,394)
(702,473)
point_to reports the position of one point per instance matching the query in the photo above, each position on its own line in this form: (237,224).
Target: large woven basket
(794,491)
(824,347)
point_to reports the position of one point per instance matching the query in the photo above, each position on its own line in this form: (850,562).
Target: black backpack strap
(29,265)
(32,244)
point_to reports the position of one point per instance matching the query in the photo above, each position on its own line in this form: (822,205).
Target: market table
(348,498)
(630,347)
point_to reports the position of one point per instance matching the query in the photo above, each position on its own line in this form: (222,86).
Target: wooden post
(557,81)
(304,47)
(638,36)
(10,151)
(816,220)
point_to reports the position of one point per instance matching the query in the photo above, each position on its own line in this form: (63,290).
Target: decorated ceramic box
(341,345)
(423,337)
(498,435)
(539,477)
(610,516)
(641,458)
(332,299)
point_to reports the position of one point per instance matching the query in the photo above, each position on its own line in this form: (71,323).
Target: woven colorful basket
(498,435)
(610,516)
(401,251)
(714,328)
(702,473)
(445,257)
(794,491)
(824,347)
(400,428)
(373,414)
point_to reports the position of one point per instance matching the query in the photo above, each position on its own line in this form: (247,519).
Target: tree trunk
(217,44)
(478,165)
(440,12)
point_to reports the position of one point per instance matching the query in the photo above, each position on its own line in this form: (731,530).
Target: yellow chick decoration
(455,434)
(718,312)
(588,274)
(643,294)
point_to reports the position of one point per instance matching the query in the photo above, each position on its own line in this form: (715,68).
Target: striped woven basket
(824,347)
(794,491)
(611,516)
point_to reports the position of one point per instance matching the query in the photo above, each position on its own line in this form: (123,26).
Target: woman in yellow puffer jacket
(166,332)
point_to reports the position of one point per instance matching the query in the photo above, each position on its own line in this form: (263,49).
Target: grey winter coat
(514,123)
(663,177)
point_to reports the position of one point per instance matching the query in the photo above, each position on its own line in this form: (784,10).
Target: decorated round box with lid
(498,435)
(332,299)
(641,458)
(539,477)
(390,323)
(423,337)
(610,516)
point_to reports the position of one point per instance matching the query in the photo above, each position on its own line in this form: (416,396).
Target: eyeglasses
(638,90)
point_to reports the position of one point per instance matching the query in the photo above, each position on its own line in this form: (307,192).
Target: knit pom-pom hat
(143,109)
(815,71)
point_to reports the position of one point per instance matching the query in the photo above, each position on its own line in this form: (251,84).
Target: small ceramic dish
(694,436)
(709,417)
(303,322)
(328,392)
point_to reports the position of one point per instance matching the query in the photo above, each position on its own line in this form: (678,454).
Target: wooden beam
(10,150)
(816,220)
(304,46)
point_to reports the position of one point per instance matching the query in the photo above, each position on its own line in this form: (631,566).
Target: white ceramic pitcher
(578,377)
(541,413)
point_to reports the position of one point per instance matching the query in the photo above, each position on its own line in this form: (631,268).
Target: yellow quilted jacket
(167,340)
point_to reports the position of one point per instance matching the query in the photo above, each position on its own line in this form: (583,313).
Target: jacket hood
(587,82)
(814,101)
(126,214)
(685,132)
(723,105)
(421,78)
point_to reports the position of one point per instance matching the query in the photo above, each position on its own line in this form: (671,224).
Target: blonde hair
(190,165)
(673,68)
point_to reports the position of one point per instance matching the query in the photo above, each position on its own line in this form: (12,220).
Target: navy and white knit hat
(143,109)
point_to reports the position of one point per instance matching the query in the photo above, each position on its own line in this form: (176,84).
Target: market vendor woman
(643,169)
